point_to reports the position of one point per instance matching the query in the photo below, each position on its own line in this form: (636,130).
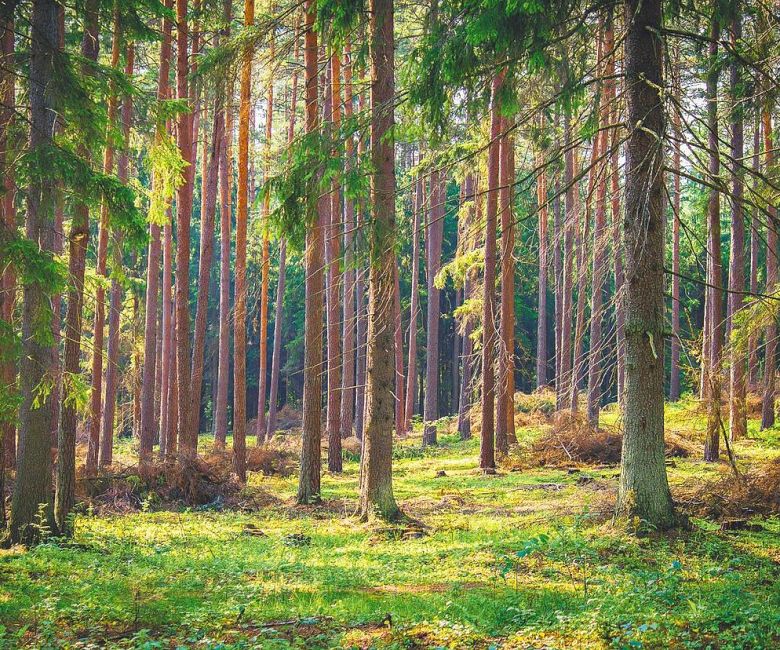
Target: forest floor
(528,558)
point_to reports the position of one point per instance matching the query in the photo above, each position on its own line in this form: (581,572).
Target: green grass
(520,560)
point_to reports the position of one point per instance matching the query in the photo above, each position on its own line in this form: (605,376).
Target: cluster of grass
(518,560)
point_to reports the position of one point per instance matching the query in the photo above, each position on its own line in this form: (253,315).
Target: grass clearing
(524,559)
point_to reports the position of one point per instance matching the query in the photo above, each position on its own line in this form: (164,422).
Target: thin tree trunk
(33,476)
(332,255)
(276,363)
(505,412)
(595,353)
(239,324)
(464,408)
(737,388)
(643,490)
(617,253)
(96,399)
(309,478)
(714,288)
(398,347)
(223,369)
(78,238)
(541,311)
(753,360)
(115,301)
(376,488)
(674,379)
(152,338)
(262,373)
(348,348)
(770,334)
(565,378)
(433,241)
(166,358)
(414,309)
(490,341)
(187,438)
(362,316)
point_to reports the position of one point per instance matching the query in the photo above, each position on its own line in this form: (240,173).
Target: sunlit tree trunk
(115,300)
(333,298)
(770,334)
(674,378)
(643,490)
(753,356)
(276,362)
(376,484)
(466,389)
(505,414)
(33,476)
(78,238)
(737,388)
(541,311)
(96,397)
(309,477)
(565,377)
(362,315)
(398,347)
(414,309)
(490,340)
(262,373)
(187,438)
(433,240)
(152,338)
(239,324)
(167,419)
(714,332)
(348,343)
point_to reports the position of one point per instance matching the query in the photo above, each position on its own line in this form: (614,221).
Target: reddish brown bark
(96,400)
(332,254)
(770,334)
(411,367)
(239,325)
(505,411)
(309,478)
(433,241)
(674,378)
(564,382)
(153,338)
(115,301)
(187,438)
(490,340)
(753,356)
(167,417)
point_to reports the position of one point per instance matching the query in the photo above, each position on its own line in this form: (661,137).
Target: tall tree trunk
(167,419)
(152,338)
(223,369)
(33,476)
(348,348)
(466,391)
(115,300)
(96,398)
(276,363)
(737,388)
(333,299)
(770,334)
(262,373)
(78,238)
(595,353)
(617,253)
(7,277)
(239,324)
(414,309)
(208,214)
(541,311)
(309,478)
(505,411)
(713,369)
(398,347)
(376,485)
(433,242)
(643,490)
(753,361)
(188,439)
(487,461)
(674,378)
(565,380)
(362,316)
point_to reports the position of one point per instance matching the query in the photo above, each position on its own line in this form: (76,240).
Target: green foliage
(167,167)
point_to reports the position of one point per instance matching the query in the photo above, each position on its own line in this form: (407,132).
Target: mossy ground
(524,559)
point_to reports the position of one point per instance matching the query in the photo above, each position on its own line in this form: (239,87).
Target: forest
(388,324)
